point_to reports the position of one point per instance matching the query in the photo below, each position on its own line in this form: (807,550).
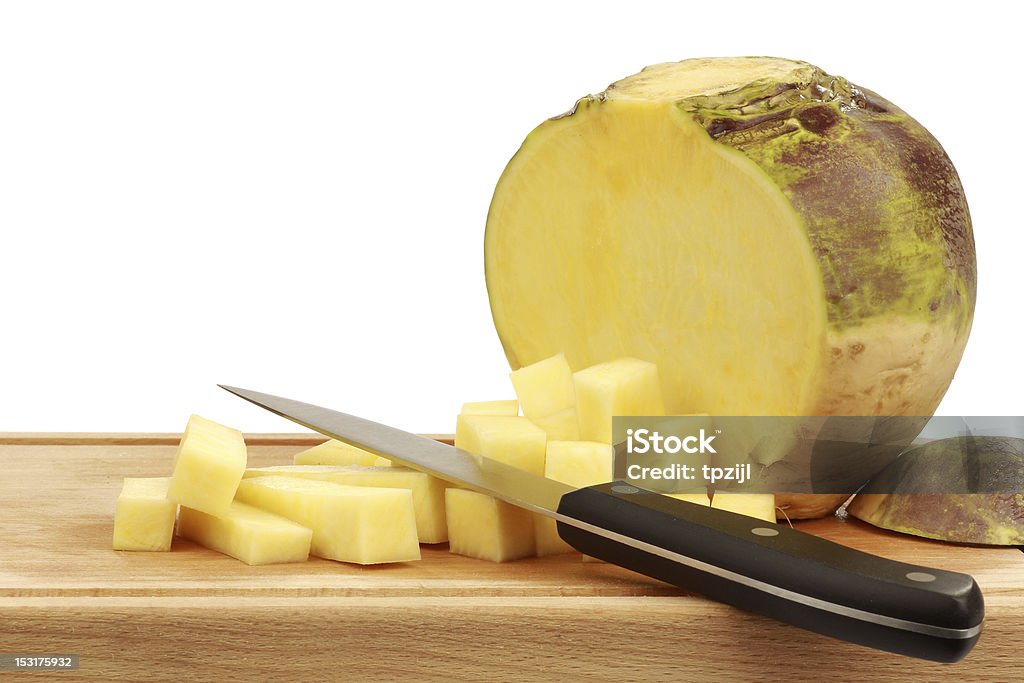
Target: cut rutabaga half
(486,528)
(338,453)
(144,516)
(357,524)
(208,466)
(777,240)
(248,534)
(508,408)
(625,386)
(427,491)
(512,440)
(579,464)
(757,505)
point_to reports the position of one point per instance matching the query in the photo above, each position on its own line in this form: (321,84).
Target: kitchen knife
(766,568)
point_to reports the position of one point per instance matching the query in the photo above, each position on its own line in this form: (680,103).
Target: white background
(291,196)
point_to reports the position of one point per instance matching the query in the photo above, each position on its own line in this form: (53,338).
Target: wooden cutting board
(158,615)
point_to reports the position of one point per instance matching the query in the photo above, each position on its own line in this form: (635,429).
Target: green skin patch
(866,178)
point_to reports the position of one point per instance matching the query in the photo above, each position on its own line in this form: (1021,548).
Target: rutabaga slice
(208,466)
(360,524)
(486,528)
(626,386)
(427,491)
(508,408)
(144,516)
(338,453)
(248,534)
(579,464)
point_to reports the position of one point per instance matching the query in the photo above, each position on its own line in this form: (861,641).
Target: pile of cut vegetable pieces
(339,502)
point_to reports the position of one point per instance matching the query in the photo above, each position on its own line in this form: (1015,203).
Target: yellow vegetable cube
(208,466)
(626,386)
(486,528)
(144,516)
(515,441)
(360,524)
(757,505)
(546,387)
(561,426)
(427,491)
(579,464)
(512,440)
(504,408)
(335,452)
(248,534)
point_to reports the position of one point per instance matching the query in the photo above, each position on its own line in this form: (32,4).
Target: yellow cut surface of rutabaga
(359,524)
(576,463)
(207,466)
(621,387)
(248,534)
(486,528)
(427,491)
(335,452)
(144,516)
(512,440)
(757,505)
(504,408)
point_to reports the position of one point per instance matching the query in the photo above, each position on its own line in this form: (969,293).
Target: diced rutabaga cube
(757,505)
(579,464)
(512,440)
(626,386)
(360,524)
(144,516)
(486,528)
(545,387)
(338,453)
(546,392)
(561,426)
(248,534)
(508,408)
(427,491)
(208,466)
(515,441)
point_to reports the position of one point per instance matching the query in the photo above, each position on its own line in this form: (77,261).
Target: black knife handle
(779,572)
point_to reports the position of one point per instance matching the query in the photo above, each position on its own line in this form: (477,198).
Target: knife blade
(770,569)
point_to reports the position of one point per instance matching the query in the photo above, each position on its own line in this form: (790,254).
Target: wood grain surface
(195,614)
